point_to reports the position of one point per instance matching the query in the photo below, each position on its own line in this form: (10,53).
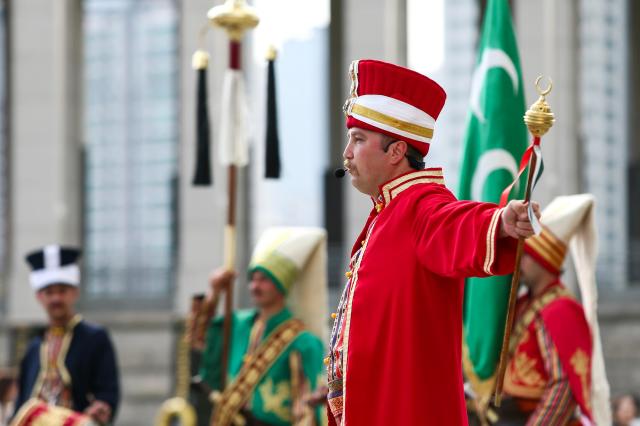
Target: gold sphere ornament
(539,117)
(235,17)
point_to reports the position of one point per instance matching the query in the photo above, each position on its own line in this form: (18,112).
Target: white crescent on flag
(491,58)
(490,161)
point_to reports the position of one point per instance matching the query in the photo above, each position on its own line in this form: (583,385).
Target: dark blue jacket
(91,362)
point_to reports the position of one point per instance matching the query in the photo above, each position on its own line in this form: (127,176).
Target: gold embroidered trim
(550,248)
(580,362)
(353,92)
(399,189)
(347,325)
(522,369)
(60,361)
(353,73)
(521,334)
(396,123)
(240,390)
(491,239)
(482,388)
(529,314)
(390,187)
(556,245)
(273,397)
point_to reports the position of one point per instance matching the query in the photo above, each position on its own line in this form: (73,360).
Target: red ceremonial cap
(395,101)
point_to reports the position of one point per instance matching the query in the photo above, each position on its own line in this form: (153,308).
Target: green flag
(495,139)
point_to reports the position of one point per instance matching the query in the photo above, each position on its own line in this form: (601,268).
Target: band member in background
(275,358)
(555,373)
(73,364)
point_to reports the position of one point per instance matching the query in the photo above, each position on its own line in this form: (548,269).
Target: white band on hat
(51,256)
(393,116)
(69,274)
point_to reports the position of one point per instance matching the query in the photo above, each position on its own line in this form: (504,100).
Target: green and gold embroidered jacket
(271,401)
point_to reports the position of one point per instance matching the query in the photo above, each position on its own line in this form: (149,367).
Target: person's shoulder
(565,310)
(239,316)
(428,192)
(307,340)
(427,181)
(564,304)
(33,346)
(91,330)
(244,314)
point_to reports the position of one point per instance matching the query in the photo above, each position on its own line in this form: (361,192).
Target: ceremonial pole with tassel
(539,120)
(178,408)
(200,62)
(235,17)
(272,150)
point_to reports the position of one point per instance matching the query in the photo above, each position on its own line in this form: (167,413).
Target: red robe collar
(391,189)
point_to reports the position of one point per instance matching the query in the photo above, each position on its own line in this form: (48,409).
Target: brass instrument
(179,407)
(176,408)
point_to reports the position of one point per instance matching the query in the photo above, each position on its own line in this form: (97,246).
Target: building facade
(97,149)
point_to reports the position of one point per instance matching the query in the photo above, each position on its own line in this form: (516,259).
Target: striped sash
(236,395)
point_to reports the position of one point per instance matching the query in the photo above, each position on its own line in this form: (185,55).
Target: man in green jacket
(276,352)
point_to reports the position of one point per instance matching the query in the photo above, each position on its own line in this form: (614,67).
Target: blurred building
(97,148)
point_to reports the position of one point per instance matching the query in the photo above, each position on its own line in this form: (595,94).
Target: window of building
(607,165)
(131,116)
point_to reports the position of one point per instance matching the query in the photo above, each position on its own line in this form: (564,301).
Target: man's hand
(99,411)
(221,279)
(515,221)
(318,397)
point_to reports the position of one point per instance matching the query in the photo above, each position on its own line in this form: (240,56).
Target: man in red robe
(395,349)
(555,373)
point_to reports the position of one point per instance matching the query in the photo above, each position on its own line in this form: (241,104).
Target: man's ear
(398,151)
(75,291)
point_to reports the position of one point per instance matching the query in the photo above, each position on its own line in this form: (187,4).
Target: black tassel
(272,157)
(202,175)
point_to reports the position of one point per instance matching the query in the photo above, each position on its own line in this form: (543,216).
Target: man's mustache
(56,305)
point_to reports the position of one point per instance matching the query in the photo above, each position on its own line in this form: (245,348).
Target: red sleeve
(460,238)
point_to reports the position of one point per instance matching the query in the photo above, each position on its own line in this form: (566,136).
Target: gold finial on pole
(200,60)
(539,117)
(272,53)
(235,17)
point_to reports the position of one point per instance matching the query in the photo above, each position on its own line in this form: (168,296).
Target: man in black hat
(73,364)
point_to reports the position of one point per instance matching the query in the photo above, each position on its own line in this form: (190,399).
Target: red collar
(391,189)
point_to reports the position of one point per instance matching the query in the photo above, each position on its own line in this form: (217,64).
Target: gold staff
(539,120)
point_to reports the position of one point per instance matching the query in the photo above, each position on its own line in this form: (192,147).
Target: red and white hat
(395,101)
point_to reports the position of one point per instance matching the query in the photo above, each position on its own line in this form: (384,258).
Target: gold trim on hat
(281,267)
(353,73)
(405,126)
(549,247)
